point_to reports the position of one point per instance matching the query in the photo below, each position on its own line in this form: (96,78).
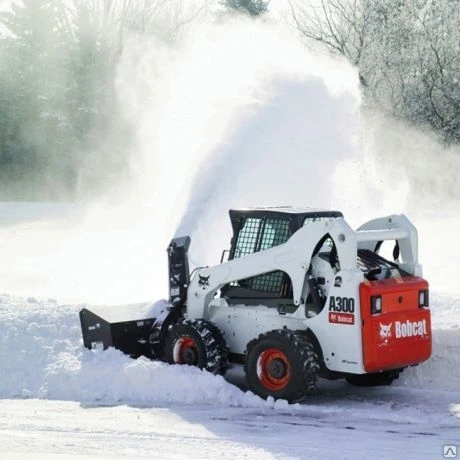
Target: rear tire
(197,343)
(383,378)
(282,364)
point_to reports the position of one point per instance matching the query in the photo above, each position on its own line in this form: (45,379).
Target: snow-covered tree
(252,7)
(406,52)
(58,103)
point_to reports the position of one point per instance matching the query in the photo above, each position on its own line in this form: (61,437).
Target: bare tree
(252,7)
(406,52)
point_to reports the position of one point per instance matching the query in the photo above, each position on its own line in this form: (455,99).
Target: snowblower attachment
(139,329)
(178,269)
(118,327)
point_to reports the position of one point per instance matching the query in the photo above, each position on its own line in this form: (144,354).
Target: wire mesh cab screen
(258,234)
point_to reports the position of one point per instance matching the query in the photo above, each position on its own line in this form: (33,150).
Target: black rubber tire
(376,379)
(207,348)
(299,361)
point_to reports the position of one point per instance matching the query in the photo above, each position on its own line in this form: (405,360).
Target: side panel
(338,326)
(242,323)
(95,330)
(401,334)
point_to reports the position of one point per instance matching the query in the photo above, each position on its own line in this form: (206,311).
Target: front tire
(197,343)
(282,364)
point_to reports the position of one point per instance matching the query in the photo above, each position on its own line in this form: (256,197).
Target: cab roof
(287,210)
(297,216)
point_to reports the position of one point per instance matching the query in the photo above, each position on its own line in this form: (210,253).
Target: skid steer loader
(301,296)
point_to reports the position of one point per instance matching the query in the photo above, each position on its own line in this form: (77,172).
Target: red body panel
(401,335)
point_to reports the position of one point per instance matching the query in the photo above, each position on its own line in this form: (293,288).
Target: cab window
(247,238)
(258,234)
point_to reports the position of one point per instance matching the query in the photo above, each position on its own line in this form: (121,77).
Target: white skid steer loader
(302,296)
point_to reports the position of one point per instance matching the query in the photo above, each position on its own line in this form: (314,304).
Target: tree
(253,7)
(406,52)
(34,125)
(58,101)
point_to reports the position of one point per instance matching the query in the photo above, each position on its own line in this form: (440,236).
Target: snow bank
(110,377)
(42,356)
(442,370)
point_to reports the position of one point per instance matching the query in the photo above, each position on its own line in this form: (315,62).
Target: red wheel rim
(273,369)
(185,351)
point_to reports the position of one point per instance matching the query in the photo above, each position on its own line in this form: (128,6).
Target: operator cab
(257,229)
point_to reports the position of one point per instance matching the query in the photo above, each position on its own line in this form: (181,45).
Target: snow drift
(42,356)
(442,370)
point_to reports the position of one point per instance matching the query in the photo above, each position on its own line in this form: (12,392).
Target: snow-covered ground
(59,400)
(344,424)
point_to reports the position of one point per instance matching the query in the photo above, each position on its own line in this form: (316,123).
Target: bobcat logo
(385,331)
(204,280)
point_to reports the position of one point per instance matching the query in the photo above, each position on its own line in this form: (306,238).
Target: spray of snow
(400,169)
(208,115)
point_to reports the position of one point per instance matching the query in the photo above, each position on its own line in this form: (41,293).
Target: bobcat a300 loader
(302,296)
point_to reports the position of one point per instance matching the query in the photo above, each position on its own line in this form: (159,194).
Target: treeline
(58,61)
(407,53)
(56,93)
(60,131)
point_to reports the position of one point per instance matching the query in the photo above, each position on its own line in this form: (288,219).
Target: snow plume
(234,113)
(219,118)
(400,169)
